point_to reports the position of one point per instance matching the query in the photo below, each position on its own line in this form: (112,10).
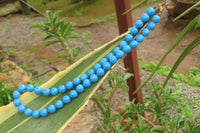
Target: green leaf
(159,128)
(11,120)
(53,33)
(47,37)
(48,43)
(189,48)
(126,76)
(37,25)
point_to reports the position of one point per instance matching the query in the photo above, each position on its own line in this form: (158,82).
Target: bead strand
(92,75)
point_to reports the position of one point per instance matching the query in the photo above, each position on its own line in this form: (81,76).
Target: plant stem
(100,106)
(67,51)
(111,96)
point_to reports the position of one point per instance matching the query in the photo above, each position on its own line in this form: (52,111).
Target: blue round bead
(134,44)
(28,112)
(120,54)
(100,72)
(116,49)
(138,24)
(145,17)
(140,38)
(96,66)
(22,88)
(66,99)
(94,78)
(51,109)
(145,32)
(103,60)
(87,82)
(83,77)
(134,30)
(122,43)
(59,104)
(69,85)
(30,88)
(62,89)
(150,11)
(46,92)
(43,112)
(109,55)
(36,114)
(54,91)
(21,108)
(151,26)
(16,94)
(73,94)
(76,81)
(38,90)
(156,18)
(90,72)
(80,88)
(113,59)
(17,102)
(106,66)
(126,49)
(128,37)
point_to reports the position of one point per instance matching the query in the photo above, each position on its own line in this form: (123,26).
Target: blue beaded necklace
(92,75)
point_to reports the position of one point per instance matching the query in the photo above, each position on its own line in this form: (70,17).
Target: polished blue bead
(109,55)
(28,112)
(22,88)
(73,94)
(103,60)
(90,72)
(140,38)
(94,78)
(16,94)
(21,108)
(145,17)
(59,104)
(66,99)
(138,24)
(30,88)
(113,59)
(151,26)
(43,112)
(134,44)
(120,54)
(145,32)
(126,49)
(36,114)
(122,43)
(76,81)
(38,90)
(62,89)
(156,18)
(150,11)
(54,91)
(96,66)
(116,49)
(51,109)
(69,85)
(87,82)
(46,92)
(83,77)
(106,66)
(17,102)
(134,30)
(100,72)
(80,88)
(128,37)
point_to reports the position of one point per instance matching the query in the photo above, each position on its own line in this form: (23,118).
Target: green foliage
(5,94)
(58,31)
(192,77)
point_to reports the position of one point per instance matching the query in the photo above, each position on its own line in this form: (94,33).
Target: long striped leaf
(189,48)
(12,121)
